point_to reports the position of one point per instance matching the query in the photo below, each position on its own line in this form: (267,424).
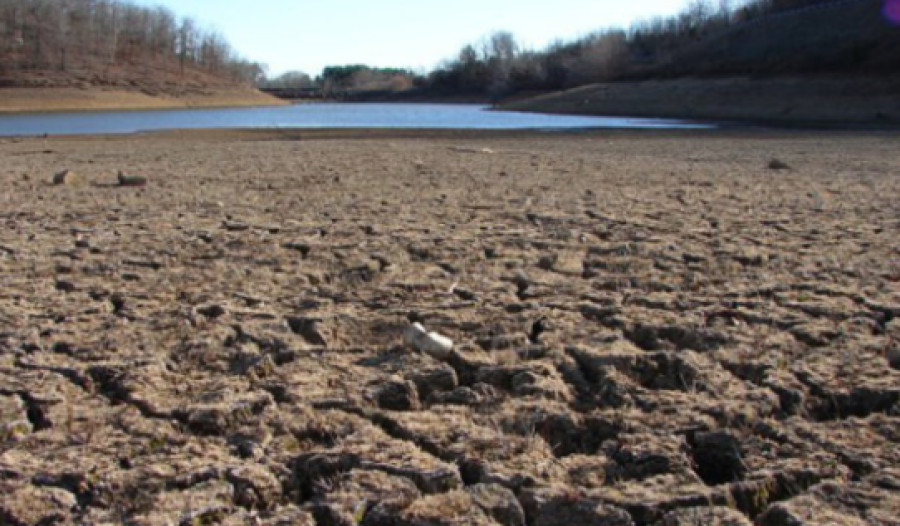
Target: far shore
(786,101)
(54,100)
(850,103)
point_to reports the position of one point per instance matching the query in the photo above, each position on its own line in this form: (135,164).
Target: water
(318,115)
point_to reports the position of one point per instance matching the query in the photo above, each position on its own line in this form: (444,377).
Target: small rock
(569,262)
(553,506)
(460,396)
(34,505)
(778,164)
(117,302)
(465,294)
(65,286)
(444,509)
(702,516)
(718,458)
(498,502)
(440,379)
(308,328)
(211,311)
(893,355)
(255,487)
(234,226)
(500,342)
(398,396)
(751,259)
(418,252)
(66,177)
(131,180)
(547,262)
(690,258)
(521,280)
(538,328)
(140,263)
(302,248)
(290,516)
(216,419)
(834,503)
(450,268)
(383,262)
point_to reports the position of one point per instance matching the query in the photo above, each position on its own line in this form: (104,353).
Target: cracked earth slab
(650,328)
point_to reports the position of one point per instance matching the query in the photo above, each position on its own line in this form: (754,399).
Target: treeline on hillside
(336,81)
(63,35)
(722,37)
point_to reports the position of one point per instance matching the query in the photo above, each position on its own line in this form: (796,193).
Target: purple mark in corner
(892,10)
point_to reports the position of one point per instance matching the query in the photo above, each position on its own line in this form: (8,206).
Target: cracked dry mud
(650,328)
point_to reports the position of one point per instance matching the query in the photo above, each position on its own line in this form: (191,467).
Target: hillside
(829,63)
(834,37)
(795,100)
(98,54)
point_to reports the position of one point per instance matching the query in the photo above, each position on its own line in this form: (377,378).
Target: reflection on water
(325,115)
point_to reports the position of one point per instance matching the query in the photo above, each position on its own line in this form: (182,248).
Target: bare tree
(502,46)
(187,42)
(62,34)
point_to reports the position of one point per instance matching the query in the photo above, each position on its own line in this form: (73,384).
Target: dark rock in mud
(565,507)
(499,503)
(712,516)
(397,396)
(309,329)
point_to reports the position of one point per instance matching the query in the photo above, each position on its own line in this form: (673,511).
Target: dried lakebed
(655,328)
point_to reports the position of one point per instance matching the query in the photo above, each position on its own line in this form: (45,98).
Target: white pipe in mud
(432,343)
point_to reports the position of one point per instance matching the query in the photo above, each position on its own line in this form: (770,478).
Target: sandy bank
(784,101)
(21,100)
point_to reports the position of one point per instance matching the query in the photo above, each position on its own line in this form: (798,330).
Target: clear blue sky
(307,35)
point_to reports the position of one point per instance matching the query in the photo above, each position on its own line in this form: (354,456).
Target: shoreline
(784,102)
(789,104)
(31,101)
(251,135)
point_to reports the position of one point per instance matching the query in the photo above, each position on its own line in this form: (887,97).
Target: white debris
(432,343)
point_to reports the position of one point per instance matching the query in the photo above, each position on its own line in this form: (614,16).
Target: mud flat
(650,328)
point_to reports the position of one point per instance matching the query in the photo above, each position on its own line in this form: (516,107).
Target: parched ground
(653,328)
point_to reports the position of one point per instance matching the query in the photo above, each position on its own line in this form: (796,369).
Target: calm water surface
(320,115)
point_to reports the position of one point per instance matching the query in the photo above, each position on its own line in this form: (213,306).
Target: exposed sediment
(67,99)
(649,328)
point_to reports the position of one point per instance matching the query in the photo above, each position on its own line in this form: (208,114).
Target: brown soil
(651,328)
(785,101)
(129,87)
(18,100)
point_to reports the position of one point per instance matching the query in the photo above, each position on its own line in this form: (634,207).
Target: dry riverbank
(652,328)
(21,100)
(781,101)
